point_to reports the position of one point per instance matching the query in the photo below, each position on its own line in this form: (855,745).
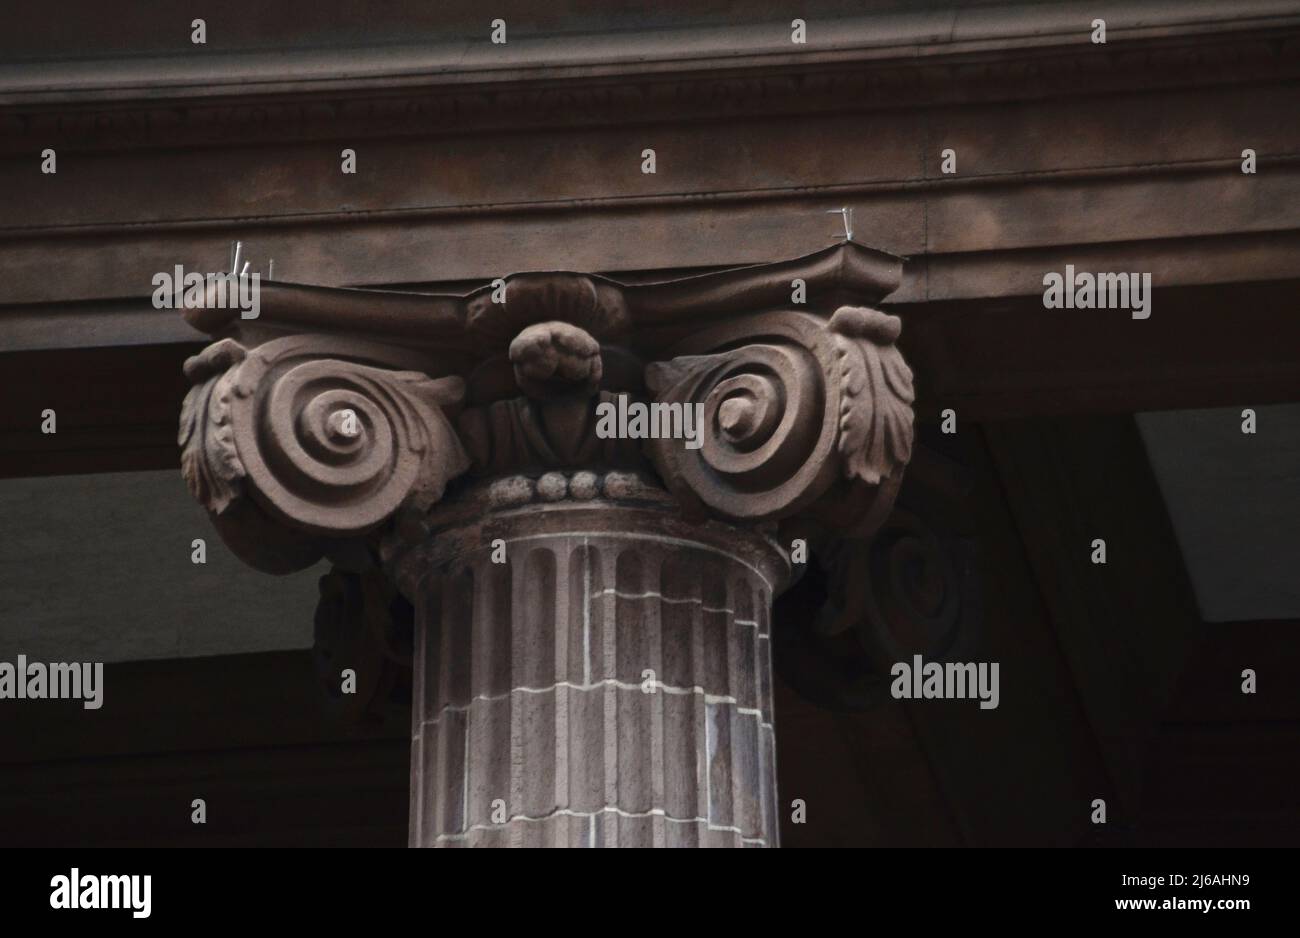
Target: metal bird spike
(847,215)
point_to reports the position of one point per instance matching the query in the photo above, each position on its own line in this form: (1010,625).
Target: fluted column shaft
(608,684)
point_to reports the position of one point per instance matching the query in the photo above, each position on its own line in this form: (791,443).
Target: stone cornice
(858,62)
(932,34)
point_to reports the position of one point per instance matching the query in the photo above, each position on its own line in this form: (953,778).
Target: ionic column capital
(337,412)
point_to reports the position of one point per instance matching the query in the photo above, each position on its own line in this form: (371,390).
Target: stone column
(592,645)
(605,682)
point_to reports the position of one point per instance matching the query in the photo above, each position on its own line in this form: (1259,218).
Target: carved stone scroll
(791,402)
(866,603)
(325,445)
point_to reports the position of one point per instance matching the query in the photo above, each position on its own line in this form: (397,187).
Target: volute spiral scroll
(913,588)
(796,408)
(325,436)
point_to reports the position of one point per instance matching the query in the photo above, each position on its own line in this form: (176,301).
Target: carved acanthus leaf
(876,394)
(209,458)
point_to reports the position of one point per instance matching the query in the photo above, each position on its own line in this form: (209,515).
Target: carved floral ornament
(339,412)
